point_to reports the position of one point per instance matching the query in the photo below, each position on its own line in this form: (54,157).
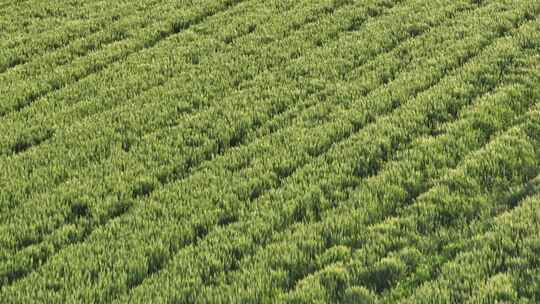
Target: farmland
(250,151)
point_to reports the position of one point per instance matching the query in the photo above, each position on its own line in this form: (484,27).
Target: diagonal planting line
(176,28)
(117,48)
(316,155)
(255,131)
(262,249)
(85,17)
(441,265)
(516,121)
(173,253)
(100,38)
(16,62)
(281,115)
(369,223)
(360,227)
(278,113)
(91,23)
(169,125)
(176,121)
(321,152)
(160,85)
(517,276)
(281,184)
(478,227)
(506,203)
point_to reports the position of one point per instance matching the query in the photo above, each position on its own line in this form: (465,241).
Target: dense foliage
(251,151)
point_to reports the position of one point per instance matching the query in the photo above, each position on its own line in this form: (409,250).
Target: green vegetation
(229,151)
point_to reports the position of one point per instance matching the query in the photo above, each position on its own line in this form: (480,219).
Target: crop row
(172,23)
(484,70)
(500,264)
(397,183)
(148,146)
(172,57)
(37,59)
(43,35)
(28,18)
(145,146)
(73,140)
(48,175)
(56,200)
(409,249)
(279,269)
